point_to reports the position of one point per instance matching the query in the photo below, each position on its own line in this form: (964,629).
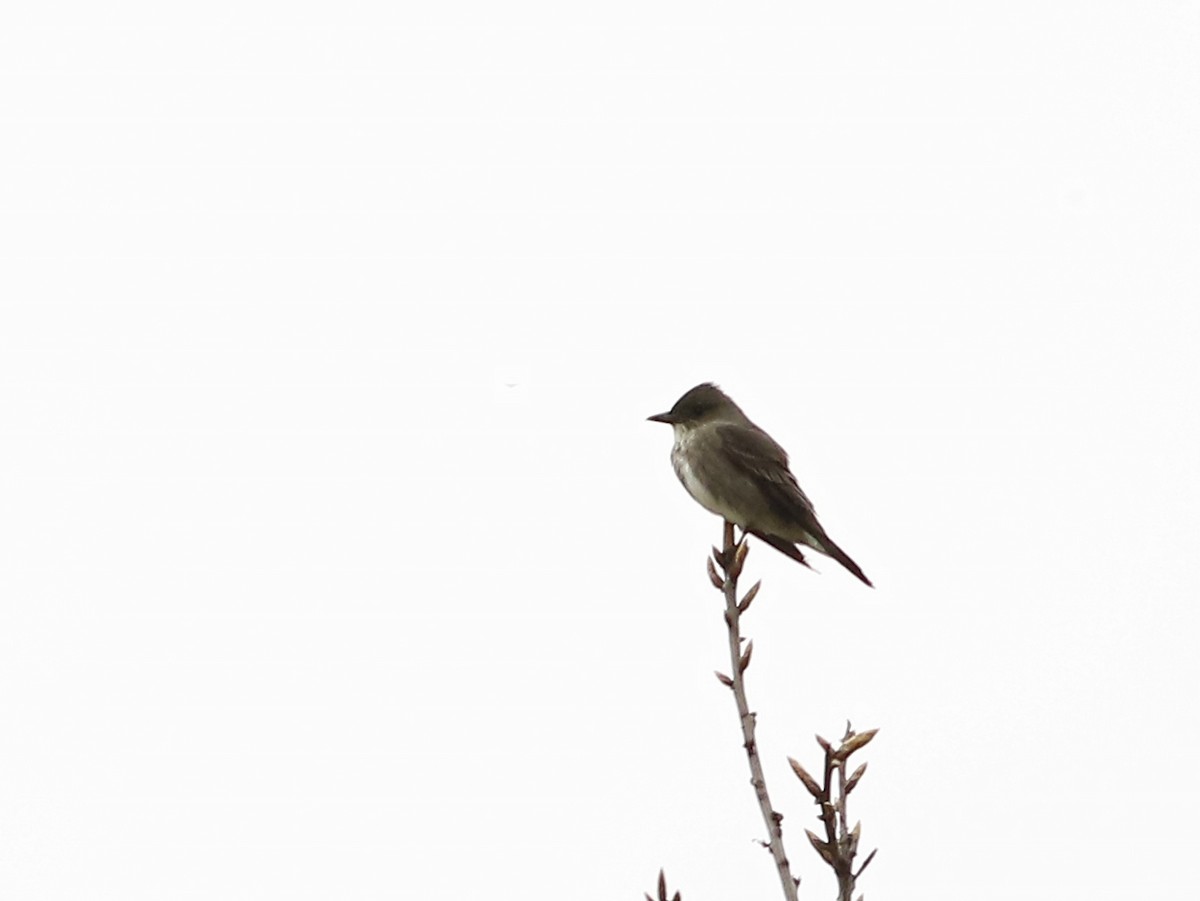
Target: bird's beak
(662,417)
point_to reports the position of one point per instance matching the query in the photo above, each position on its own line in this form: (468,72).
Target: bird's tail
(827,547)
(843,558)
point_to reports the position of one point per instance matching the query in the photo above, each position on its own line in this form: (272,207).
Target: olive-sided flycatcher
(736,470)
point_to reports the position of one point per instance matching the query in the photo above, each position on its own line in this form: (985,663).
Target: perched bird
(734,469)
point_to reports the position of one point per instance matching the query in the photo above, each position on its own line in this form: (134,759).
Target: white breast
(691,481)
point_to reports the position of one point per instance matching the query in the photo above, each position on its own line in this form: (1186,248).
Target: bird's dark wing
(756,455)
(785,547)
(764,464)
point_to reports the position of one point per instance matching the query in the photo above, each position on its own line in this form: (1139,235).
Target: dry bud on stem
(840,845)
(662,890)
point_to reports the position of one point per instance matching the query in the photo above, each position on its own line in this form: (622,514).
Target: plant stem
(771,818)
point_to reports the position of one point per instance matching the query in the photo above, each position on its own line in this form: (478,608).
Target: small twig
(730,560)
(662,890)
(840,846)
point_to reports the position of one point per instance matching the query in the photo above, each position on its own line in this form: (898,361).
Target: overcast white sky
(340,562)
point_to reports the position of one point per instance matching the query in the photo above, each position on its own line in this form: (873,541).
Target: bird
(734,469)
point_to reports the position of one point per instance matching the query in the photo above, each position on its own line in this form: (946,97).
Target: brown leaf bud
(822,847)
(855,742)
(802,774)
(739,555)
(717,581)
(745,661)
(749,598)
(854,777)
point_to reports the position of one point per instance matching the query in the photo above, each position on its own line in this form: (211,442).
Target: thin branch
(730,560)
(840,846)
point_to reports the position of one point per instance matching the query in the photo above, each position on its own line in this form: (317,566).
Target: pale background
(339,561)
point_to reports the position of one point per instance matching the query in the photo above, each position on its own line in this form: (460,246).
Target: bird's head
(704,403)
